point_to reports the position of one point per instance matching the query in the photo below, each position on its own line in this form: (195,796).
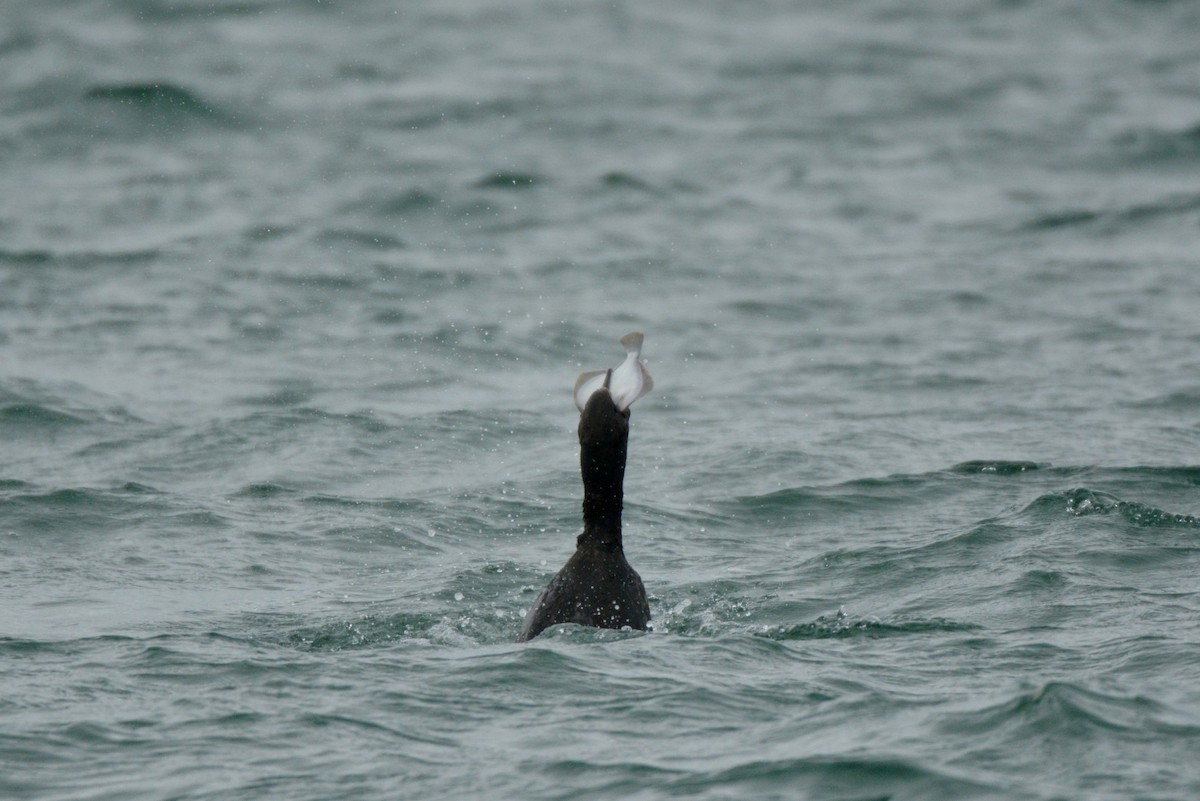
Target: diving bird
(597,586)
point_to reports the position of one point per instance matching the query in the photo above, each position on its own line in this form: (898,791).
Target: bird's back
(596,587)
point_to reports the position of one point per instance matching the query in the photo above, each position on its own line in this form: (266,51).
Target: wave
(472,625)
(1030,521)
(1113,219)
(916,487)
(1001,468)
(390,204)
(157,97)
(468,607)
(1082,502)
(34,257)
(1060,707)
(509,180)
(36,416)
(1157,145)
(339,239)
(264,490)
(862,777)
(625,181)
(41,408)
(847,496)
(67,512)
(1178,401)
(365,632)
(207,11)
(457,112)
(138,110)
(290,392)
(79,259)
(842,626)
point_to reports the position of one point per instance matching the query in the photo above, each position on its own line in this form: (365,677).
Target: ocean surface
(293,296)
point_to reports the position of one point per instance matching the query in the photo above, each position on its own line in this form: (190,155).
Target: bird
(597,586)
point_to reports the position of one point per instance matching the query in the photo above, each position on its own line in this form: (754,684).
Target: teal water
(293,296)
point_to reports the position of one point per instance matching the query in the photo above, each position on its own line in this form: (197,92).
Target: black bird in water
(597,586)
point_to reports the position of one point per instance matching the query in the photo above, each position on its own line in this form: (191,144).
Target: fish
(626,382)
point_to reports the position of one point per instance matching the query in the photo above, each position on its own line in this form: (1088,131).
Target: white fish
(626,383)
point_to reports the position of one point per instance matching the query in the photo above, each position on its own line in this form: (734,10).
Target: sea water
(293,296)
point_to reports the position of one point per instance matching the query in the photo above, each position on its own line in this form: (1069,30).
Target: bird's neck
(603,471)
